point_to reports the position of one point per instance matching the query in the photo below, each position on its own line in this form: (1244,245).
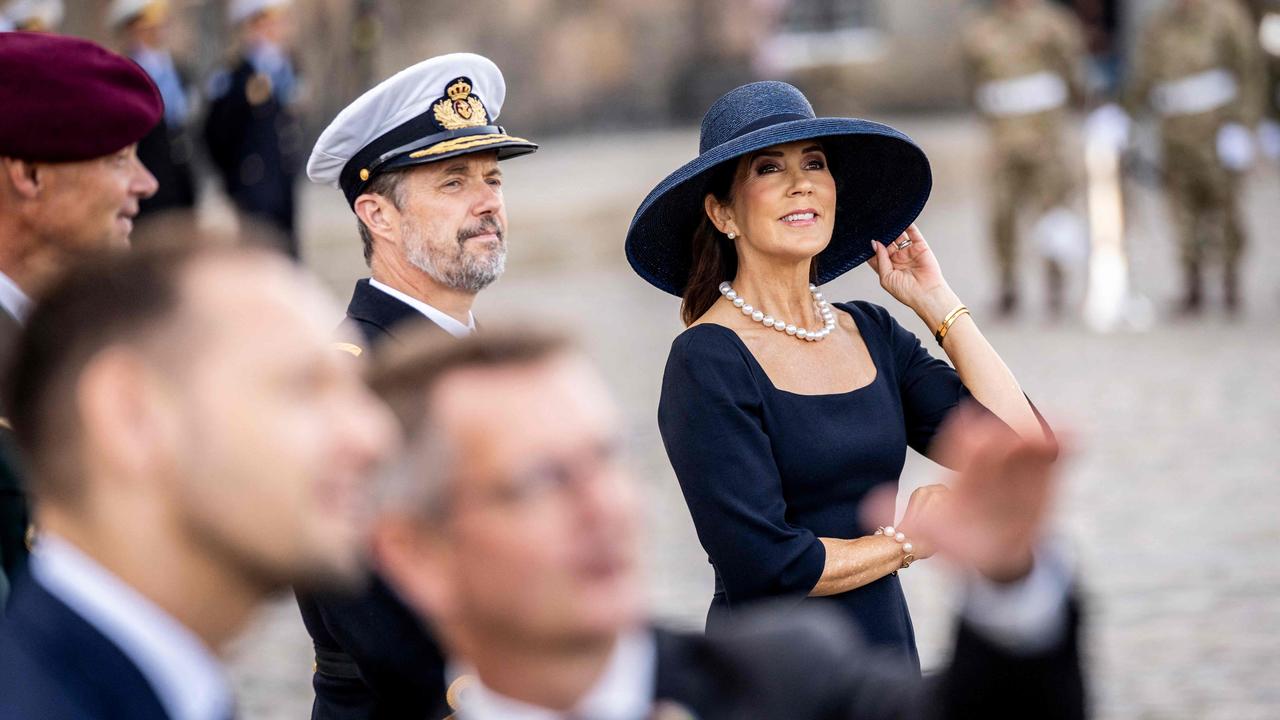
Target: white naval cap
(240,10)
(440,108)
(35,14)
(122,12)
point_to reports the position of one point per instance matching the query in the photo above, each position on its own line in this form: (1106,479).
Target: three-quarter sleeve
(930,388)
(711,421)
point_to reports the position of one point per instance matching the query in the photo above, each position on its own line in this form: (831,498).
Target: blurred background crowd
(1170,506)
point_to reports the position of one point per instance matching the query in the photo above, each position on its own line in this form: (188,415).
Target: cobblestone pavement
(1171,499)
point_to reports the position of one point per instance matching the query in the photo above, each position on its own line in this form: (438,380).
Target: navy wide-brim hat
(882,182)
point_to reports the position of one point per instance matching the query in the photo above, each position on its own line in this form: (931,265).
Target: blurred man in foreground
(195,445)
(511,524)
(70,182)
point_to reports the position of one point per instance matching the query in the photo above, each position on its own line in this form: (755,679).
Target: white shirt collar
(439,317)
(189,681)
(624,691)
(13,300)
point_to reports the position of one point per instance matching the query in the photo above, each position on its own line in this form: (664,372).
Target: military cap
(125,12)
(240,10)
(67,99)
(35,15)
(440,108)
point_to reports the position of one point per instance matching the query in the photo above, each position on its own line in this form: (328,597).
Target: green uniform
(1025,66)
(1197,66)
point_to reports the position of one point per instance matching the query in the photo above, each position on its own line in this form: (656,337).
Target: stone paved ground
(1171,499)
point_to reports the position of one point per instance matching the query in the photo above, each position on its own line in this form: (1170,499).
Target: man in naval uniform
(61,193)
(143,27)
(417,159)
(1025,60)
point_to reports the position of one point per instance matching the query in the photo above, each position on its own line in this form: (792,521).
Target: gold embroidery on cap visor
(464,143)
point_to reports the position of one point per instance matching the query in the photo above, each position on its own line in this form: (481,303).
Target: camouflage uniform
(1198,67)
(1025,64)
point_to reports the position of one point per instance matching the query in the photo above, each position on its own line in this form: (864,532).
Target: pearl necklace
(824,309)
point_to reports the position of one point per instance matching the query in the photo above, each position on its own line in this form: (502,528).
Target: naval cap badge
(459,108)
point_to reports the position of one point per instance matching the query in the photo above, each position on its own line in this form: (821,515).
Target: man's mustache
(486,226)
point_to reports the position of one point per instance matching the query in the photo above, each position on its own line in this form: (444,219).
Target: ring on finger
(903,244)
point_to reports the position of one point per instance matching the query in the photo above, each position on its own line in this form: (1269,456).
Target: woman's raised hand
(912,276)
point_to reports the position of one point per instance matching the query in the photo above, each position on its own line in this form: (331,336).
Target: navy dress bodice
(766,472)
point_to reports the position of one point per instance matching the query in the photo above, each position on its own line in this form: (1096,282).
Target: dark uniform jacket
(13,501)
(167,152)
(255,143)
(809,664)
(374,660)
(54,665)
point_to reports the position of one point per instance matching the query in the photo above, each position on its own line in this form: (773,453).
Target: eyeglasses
(547,478)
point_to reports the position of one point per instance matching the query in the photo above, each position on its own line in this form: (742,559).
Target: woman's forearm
(854,563)
(980,367)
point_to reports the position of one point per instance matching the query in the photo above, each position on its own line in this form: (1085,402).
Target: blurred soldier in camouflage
(1197,66)
(1025,62)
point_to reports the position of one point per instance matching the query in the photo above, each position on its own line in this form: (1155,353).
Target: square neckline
(843,307)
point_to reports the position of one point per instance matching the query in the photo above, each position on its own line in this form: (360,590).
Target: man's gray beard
(463,271)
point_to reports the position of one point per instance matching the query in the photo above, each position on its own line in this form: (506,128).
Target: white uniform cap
(439,108)
(124,11)
(43,14)
(240,10)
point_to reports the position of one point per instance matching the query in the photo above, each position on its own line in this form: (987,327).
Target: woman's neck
(779,290)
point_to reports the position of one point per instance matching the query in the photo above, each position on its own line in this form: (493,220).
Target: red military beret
(67,99)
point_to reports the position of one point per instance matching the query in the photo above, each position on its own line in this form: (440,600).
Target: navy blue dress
(766,472)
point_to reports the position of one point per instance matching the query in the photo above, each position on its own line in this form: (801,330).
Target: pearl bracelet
(907,548)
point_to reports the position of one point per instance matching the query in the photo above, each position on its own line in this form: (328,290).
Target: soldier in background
(1267,14)
(251,130)
(167,151)
(34,15)
(1198,68)
(1025,60)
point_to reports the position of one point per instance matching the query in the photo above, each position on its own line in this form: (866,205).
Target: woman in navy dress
(780,411)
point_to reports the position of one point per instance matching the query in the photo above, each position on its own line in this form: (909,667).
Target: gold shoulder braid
(346,347)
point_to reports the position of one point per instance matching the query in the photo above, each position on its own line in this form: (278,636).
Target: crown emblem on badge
(459,108)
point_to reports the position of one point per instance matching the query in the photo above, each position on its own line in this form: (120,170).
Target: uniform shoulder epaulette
(352,348)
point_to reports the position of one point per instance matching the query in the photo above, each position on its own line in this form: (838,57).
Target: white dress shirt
(186,677)
(1024,617)
(439,317)
(13,300)
(623,692)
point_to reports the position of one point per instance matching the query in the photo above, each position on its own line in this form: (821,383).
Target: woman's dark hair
(714,257)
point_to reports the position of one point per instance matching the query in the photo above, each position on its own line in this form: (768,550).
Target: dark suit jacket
(13,499)
(54,665)
(374,660)
(808,663)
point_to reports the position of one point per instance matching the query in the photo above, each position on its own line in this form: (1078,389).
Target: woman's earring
(732,235)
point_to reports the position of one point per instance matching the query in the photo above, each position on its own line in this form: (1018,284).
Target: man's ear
(415,562)
(23,176)
(126,419)
(378,214)
(721,215)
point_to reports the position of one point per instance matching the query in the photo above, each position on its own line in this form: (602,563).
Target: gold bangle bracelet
(951,319)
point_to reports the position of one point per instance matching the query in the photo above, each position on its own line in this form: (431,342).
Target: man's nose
(144,184)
